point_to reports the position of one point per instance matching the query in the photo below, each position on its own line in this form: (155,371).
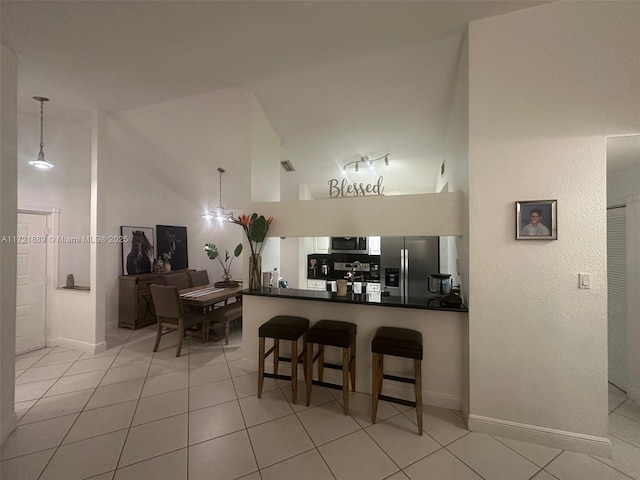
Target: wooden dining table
(206,296)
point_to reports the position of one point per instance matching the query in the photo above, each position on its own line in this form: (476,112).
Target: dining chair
(199,278)
(172,316)
(180,280)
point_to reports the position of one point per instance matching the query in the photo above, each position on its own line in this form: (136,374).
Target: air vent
(286,164)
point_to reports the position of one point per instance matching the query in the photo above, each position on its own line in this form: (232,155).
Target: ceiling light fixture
(220,214)
(41,163)
(370,162)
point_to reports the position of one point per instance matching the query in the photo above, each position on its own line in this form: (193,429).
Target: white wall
(428,214)
(538,116)
(8,226)
(265,173)
(67,144)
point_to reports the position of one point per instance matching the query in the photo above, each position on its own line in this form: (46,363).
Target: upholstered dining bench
(225,315)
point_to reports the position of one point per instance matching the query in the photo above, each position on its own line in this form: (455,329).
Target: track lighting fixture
(370,162)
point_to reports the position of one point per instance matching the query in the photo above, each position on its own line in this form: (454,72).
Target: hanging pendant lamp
(41,163)
(220,214)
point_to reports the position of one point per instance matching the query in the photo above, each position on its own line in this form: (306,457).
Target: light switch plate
(584,280)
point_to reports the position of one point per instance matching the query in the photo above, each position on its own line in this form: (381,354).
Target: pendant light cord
(220,198)
(41,124)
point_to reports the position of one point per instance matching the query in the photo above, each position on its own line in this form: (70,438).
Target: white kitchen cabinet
(319,285)
(321,245)
(374,245)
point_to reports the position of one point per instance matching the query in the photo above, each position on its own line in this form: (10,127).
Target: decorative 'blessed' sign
(346,189)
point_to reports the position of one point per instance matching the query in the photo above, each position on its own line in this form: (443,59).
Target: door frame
(51,269)
(632,203)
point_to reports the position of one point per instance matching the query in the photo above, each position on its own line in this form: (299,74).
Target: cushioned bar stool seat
(282,327)
(399,342)
(336,334)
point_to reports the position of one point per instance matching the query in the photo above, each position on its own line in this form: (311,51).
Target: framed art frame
(137,250)
(171,243)
(536,220)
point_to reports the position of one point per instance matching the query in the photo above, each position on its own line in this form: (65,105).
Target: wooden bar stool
(282,327)
(399,342)
(336,334)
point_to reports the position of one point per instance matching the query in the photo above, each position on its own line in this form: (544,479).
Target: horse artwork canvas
(172,246)
(137,250)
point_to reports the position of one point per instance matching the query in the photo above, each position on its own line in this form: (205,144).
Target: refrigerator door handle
(405,270)
(404,287)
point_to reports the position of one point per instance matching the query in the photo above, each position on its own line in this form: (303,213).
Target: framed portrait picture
(171,243)
(536,220)
(137,250)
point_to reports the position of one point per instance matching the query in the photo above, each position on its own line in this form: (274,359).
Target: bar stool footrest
(399,379)
(288,359)
(334,366)
(400,401)
(278,376)
(327,385)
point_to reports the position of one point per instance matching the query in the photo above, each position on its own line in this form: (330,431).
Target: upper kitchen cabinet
(374,245)
(321,245)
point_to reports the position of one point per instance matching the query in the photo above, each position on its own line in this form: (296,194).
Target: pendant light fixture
(41,163)
(220,214)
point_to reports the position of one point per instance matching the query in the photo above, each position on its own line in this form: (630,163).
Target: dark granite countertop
(427,303)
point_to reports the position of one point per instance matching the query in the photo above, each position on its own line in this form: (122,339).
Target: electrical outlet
(584,280)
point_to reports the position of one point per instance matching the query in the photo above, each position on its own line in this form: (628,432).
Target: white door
(31,282)
(617,296)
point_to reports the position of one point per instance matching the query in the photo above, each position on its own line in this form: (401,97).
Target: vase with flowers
(213,254)
(255,228)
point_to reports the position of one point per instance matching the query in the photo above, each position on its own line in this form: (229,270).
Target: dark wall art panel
(171,244)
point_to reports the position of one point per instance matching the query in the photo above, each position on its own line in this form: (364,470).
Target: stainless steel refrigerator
(406,263)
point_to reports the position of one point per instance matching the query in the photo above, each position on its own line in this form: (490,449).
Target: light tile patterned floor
(129,414)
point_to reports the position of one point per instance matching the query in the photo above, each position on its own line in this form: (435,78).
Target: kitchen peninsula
(444,330)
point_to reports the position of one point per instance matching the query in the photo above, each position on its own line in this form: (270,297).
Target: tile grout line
(497,439)
(458,458)
(462,461)
(59,416)
(70,428)
(610,466)
(124,444)
(316,447)
(244,420)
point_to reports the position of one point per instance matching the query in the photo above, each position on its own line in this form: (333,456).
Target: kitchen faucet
(353,271)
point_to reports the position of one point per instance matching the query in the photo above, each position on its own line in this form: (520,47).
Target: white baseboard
(77,345)
(561,439)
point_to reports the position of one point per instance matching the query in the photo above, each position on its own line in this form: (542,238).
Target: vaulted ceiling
(337,80)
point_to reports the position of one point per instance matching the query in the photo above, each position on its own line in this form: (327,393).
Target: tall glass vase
(255,272)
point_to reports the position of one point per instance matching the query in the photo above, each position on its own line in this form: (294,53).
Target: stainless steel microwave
(349,245)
